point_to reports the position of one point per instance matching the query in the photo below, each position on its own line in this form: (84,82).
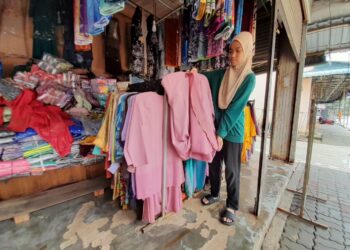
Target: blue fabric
(195,176)
(96,22)
(239,17)
(119,148)
(23,135)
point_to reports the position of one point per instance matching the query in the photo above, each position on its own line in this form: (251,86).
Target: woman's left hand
(220,142)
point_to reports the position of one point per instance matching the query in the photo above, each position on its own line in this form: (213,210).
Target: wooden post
(21,218)
(265,121)
(301,64)
(308,154)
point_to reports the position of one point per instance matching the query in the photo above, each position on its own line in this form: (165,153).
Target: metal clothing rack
(133,4)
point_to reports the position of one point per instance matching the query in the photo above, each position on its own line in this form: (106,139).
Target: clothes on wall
(46,16)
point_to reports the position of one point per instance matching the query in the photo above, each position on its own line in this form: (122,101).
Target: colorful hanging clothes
(120,115)
(249,135)
(80,38)
(80,59)
(195,173)
(144,152)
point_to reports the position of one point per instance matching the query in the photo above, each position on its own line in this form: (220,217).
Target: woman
(231,89)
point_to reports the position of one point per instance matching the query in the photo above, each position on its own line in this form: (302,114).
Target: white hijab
(234,76)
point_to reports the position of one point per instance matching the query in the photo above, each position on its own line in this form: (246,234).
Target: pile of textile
(49,121)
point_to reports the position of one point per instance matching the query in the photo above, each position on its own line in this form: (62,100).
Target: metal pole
(347,115)
(308,154)
(339,111)
(265,121)
(165,154)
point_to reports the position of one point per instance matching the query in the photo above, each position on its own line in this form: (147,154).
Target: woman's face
(236,54)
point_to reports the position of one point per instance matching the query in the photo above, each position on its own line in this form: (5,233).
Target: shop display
(53,118)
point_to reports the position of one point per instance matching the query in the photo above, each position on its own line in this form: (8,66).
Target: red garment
(50,122)
(172,42)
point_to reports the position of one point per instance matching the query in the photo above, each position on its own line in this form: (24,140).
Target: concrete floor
(97,223)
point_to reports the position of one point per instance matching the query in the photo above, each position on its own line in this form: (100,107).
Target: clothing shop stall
(112,94)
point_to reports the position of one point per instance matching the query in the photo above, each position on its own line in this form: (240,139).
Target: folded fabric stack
(27,153)
(14,168)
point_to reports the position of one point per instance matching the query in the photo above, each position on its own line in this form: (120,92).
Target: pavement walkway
(335,213)
(329,179)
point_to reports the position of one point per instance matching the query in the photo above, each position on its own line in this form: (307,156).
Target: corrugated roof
(330,26)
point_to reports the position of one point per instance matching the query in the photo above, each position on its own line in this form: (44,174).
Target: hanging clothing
(195,173)
(108,7)
(193,39)
(45,19)
(248,15)
(191,115)
(112,46)
(78,59)
(95,21)
(144,152)
(249,134)
(239,16)
(186,20)
(172,42)
(80,38)
(120,115)
(137,43)
(152,48)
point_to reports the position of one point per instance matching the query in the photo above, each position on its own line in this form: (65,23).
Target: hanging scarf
(234,76)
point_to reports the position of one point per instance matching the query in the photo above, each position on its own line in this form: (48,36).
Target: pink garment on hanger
(144,151)
(191,115)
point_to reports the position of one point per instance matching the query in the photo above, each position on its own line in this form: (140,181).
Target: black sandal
(211,199)
(228,215)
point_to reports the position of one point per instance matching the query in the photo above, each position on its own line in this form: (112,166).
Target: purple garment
(133,185)
(83,16)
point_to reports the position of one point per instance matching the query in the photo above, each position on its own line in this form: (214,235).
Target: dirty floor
(97,223)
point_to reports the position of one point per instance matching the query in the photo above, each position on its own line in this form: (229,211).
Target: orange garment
(249,134)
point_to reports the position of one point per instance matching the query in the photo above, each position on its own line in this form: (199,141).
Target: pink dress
(144,151)
(191,115)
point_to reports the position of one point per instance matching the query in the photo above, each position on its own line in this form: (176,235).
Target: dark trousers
(231,155)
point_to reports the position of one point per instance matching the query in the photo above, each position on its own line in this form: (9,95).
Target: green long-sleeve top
(229,122)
